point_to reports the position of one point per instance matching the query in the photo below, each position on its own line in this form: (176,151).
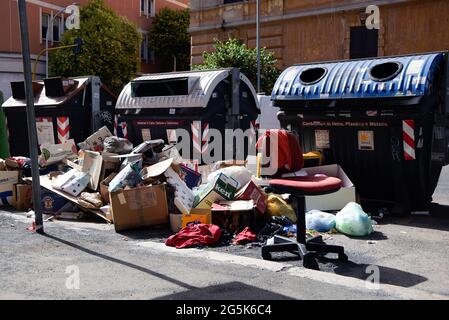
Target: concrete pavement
(138,266)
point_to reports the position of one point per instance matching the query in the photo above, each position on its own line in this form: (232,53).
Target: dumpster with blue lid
(384,120)
(154,106)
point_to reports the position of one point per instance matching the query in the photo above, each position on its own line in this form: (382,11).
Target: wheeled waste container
(384,120)
(66,108)
(154,106)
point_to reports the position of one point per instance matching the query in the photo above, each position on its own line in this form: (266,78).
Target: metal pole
(46,50)
(258,43)
(31,119)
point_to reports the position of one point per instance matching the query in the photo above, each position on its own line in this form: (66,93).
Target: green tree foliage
(233,53)
(168,38)
(110,47)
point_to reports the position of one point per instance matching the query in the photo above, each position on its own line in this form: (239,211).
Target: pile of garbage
(151,184)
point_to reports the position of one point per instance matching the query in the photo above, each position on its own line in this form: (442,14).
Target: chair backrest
(286,146)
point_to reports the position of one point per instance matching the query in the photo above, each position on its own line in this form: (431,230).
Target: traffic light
(79,43)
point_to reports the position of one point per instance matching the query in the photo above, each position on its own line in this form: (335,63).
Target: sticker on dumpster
(366,140)
(142,123)
(344,124)
(171,136)
(146,134)
(322,140)
(45,133)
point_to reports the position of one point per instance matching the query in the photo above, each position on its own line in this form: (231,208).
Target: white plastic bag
(353,221)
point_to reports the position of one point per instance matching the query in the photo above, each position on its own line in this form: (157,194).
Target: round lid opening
(385,71)
(312,75)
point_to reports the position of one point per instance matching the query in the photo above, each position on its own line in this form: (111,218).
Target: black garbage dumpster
(66,108)
(154,106)
(384,120)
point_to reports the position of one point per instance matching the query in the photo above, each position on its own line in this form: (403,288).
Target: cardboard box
(22,197)
(55,153)
(224,188)
(233,215)
(104,185)
(332,201)
(191,177)
(251,191)
(7,181)
(139,207)
(95,141)
(203,216)
(52,202)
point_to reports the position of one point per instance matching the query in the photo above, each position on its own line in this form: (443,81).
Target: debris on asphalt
(220,204)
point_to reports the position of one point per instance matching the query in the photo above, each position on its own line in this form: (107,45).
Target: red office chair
(290,159)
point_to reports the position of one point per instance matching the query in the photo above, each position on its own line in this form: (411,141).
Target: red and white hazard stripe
(124,126)
(196,136)
(7,128)
(63,128)
(408,136)
(205,137)
(115,126)
(252,132)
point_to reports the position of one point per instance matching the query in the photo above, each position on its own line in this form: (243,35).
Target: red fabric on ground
(245,236)
(195,234)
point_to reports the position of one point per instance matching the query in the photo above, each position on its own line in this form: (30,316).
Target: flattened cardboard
(92,163)
(139,207)
(7,181)
(46,183)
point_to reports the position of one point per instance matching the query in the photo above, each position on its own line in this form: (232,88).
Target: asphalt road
(137,265)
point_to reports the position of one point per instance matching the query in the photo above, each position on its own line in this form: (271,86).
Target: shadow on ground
(435,222)
(226,291)
(351,269)
(121,262)
(387,275)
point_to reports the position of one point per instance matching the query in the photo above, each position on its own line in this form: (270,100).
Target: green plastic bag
(353,221)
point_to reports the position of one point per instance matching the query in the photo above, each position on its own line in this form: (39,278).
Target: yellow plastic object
(259,165)
(276,206)
(314,155)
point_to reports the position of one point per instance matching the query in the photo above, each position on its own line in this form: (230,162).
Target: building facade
(319,30)
(42,13)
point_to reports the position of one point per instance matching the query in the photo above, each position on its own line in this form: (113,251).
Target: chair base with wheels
(298,188)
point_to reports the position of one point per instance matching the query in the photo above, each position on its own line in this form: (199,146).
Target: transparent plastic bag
(320,221)
(353,221)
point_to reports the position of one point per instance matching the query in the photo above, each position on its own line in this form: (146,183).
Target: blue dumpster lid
(402,76)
